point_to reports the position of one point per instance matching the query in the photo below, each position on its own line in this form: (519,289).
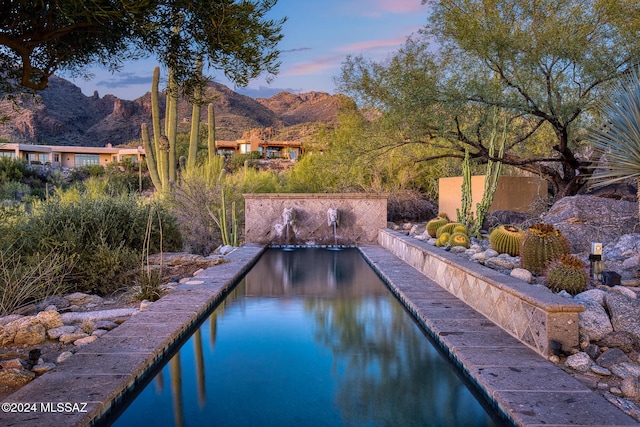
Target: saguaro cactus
(161,156)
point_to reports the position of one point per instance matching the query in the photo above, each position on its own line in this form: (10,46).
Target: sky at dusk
(318,36)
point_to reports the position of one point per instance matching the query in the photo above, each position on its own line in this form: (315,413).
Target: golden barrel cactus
(506,239)
(541,244)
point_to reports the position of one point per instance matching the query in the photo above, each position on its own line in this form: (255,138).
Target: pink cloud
(316,66)
(400,6)
(378,8)
(373,45)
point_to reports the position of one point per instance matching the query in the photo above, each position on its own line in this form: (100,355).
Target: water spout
(332,221)
(288,216)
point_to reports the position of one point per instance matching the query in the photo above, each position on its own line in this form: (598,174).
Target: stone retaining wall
(360,217)
(535,317)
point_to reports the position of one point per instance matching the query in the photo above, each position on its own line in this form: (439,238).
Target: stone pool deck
(523,385)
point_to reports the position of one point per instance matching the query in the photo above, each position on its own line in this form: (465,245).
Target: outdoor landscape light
(596,265)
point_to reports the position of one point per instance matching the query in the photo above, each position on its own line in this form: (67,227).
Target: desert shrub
(25,280)
(199,192)
(12,169)
(13,190)
(125,176)
(237,161)
(311,175)
(82,173)
(255,181)
(102,234)
(409,205)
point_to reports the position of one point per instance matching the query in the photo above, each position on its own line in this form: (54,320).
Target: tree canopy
(39,38)
(539,64)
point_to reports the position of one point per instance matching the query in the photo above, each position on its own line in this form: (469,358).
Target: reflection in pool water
(308,338)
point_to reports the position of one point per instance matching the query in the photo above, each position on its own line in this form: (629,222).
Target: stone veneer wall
(360,217)
(532,315)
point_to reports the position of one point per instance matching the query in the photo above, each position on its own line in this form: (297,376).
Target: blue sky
(318,36)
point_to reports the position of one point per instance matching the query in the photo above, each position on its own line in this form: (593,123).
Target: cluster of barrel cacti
(448,233)
(567,273)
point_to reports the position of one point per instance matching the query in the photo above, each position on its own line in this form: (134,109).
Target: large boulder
(586,219)
(624,313)
(504,217)
(594,321)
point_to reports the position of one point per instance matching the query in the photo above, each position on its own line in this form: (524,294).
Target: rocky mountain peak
(63,115)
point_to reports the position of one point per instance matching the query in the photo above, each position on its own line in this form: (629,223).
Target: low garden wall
(514,193)
(536,317)
(305,221)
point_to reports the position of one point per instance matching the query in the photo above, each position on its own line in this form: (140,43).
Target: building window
(10,154)
(86,159)
(56,157)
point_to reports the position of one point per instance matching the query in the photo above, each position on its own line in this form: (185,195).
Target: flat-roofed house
(70,156)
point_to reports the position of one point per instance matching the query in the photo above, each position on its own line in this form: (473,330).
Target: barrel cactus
(443,240)
(459,239)
(541,244)
(506,239)
(447,228)
(461,229)
(435,223)
(567,273)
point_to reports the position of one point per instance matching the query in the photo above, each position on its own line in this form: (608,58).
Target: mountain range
(63,115)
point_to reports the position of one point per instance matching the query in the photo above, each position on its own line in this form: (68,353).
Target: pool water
(309,337)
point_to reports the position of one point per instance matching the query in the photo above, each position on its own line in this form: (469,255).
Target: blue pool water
(309,337)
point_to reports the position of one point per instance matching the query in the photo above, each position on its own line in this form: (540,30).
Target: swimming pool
(308,337)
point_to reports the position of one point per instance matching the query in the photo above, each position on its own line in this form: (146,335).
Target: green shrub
(13,190)
(12,169)
(103,235)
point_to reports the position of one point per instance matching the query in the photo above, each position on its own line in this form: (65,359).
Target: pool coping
(519,383)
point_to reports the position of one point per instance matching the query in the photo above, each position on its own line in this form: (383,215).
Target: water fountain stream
(288,216)
(332,221)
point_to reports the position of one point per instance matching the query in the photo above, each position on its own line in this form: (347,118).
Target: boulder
(612,357)
(50,319)
(55,333)
(115,313)
(618,339)
(585,219)
(630,387)
(503,262)
(79,298)
(594,295)
(63,356)
(16,377)
(580,362)
(593,322)
(624,313)
(504,217)
(31,335)
(522,274)
(628,245)
(69,338)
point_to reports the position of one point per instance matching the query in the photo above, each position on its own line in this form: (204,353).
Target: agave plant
(617,140)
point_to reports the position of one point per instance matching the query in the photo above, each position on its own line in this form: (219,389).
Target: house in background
(257,140)
(70,156)
(67,156)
